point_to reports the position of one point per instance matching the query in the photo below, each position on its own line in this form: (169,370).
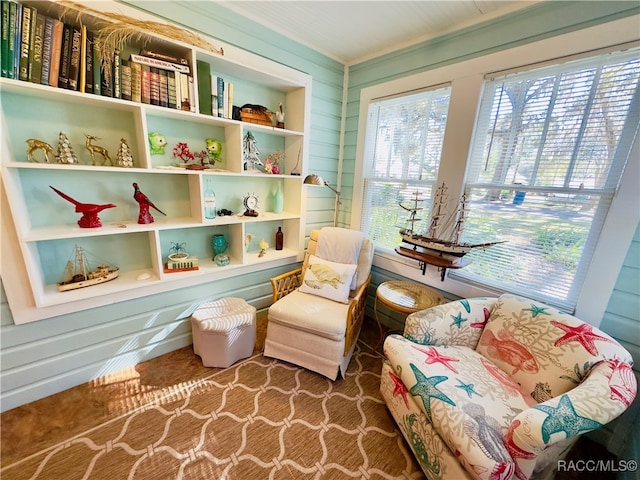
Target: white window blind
(548,152)
(402,155)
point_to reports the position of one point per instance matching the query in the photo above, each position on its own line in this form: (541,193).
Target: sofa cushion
(328,279)
(311,313)
(525,338)
(468,400)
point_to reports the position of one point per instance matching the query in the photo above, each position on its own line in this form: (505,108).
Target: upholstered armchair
(501,388)
(318,309)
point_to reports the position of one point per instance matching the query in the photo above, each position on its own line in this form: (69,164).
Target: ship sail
(79,273)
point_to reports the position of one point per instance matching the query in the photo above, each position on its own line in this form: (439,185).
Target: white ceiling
(357,30)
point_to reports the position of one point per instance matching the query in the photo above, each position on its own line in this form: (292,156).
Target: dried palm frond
(123,29)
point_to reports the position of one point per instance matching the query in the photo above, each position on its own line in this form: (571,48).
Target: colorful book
(74,58)
(171,87)
(82,74)
(204,87)
(164,88)
(65,56)
(230,89)
(25,43)
(56,52)
(117,76)
(154,86)
(154,62)
(185,103)
(145,83)
(192,94)
(125,72)
(46,51)
(106,77)
(220,96)
(17,37)
(136,78)
(164,56)
(5,39)
(214,95)
(97,71)
(88,61)
(35,47)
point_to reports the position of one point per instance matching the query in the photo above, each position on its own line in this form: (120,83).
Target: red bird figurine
(145,203)
(89,211)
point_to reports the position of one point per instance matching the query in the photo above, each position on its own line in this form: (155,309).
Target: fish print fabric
(526,338)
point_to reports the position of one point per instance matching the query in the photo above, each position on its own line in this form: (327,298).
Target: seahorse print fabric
(328,279)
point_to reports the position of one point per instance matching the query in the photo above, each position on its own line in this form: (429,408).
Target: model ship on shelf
(440,245)
(79,273)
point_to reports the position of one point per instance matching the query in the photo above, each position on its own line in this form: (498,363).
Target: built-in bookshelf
(45,225)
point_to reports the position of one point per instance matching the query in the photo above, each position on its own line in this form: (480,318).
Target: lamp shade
(314,179)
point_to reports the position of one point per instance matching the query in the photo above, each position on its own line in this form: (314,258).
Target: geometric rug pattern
(259,419)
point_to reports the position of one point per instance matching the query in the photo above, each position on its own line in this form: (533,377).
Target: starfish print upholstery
(425,388)
(564,418)
(400,388)
(583,333)
(434,356)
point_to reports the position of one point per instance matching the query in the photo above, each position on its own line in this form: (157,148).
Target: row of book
(215,93)
(44,50)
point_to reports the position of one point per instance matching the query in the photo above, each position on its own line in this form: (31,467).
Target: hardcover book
(164,88)
(117,77)
(46,51)
(25,43)
(56,52)
(154,86)
(5,38)
(204,87)
(125,72)
(145,84)
(136,74)
(74,58)
(88,62)
(35,71)
(65,54)
(171,88)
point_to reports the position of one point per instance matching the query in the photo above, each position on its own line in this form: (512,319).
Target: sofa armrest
(355,314)
(603,395)
(460,322)
(285,283)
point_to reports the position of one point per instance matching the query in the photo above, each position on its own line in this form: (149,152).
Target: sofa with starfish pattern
(501,388)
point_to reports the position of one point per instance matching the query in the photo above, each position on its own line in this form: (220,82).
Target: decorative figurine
(263,247)
(124,157)
(272,162)
(157,142)
(178,252)
(280,117)
(181,151)
(65,151)
(250,202)
(93,149)
(248,238)
(89,211)
(35,144)
(250,153)
(144,202)
(214,150)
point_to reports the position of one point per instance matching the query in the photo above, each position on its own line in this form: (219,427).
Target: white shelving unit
(45,225)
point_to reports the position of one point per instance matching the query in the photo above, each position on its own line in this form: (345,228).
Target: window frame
(467,81)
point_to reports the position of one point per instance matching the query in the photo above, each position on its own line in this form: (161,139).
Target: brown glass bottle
(279,239)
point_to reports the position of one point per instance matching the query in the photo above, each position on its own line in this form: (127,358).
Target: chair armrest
(603,395)
(355,314)
(455,323)
(285,283)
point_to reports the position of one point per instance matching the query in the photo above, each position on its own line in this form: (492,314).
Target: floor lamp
(318,181)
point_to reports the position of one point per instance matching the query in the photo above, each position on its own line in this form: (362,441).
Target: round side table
(404,297)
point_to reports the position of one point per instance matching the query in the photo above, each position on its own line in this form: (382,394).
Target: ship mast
(81,262)
(438,212)
(462,217)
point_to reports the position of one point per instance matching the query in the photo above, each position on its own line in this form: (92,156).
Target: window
(550,146)
(404,146)
(546,158)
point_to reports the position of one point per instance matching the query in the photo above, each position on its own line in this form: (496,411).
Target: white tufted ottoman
(224,331)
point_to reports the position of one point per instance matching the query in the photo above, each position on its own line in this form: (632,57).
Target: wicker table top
(407,297)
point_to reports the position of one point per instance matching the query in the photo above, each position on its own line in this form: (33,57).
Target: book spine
(65,54)
(220,96)
(35,72)
(204,87)
(25,43)
(46,51)
(154,86)
(106,74)
(192,94)
(97,71)
(171,89)
(136,74)
(5,38)
(164,56)
(74,58)
(225,101)
(153,62)
(145,84)
(178,91)
(32,42)
(88,62)
(230,100)
(125,71)
(13,34)
(56,51)
(164,88)
(117,76)
(185,104)
(82,74)
(213,81)
(17,41)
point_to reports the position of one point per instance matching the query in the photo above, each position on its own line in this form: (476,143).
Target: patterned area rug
(260,419)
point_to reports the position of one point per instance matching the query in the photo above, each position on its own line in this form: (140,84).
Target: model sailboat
(80,274)
(442,238)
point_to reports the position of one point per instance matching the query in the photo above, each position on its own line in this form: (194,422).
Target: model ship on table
(440,245)
(80,274)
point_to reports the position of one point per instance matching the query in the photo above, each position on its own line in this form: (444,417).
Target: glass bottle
(209,201)
(279,239)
